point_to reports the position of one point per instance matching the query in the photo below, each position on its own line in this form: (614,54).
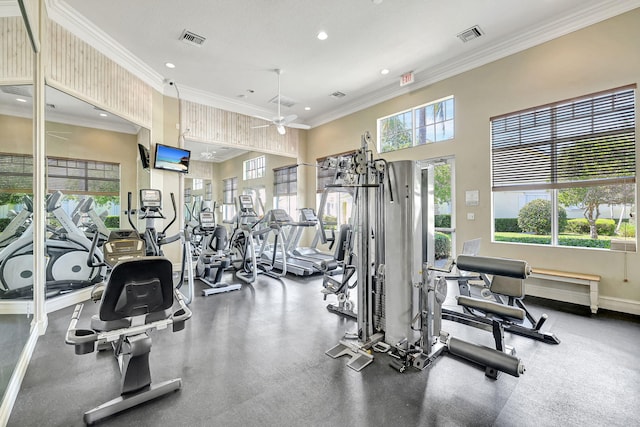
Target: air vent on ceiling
(192,38)
(22,90)
(470,34)
(284,101)
(337,94)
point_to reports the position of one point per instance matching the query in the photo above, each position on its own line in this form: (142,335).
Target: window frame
(254,168)
(420,126)
(229,196)
(586,142)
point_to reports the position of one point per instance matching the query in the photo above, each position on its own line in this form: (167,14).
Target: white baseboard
(11,393)
(51,305)
(620,305)
(16,307)
(72,298)
(578,294)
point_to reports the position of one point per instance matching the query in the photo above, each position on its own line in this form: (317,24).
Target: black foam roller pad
(486,356)
(496,266)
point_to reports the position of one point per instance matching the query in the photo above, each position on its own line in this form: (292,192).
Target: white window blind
(587,141)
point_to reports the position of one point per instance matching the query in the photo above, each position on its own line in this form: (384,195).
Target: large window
(229,195)
(254,168)
(564,173)
(432,122)
(334,203)
(285,189)
(75,178)
(83,177)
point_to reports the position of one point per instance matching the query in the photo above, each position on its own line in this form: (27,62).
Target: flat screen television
(144,156)
(172,158)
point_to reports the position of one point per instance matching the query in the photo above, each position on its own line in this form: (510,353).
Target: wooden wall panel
(80,70)
(210,124)
(16,55)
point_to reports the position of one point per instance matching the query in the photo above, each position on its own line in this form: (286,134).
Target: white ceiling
(247,39)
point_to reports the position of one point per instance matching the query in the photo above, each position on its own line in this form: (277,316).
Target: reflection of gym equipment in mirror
(137,298)
(400,291)
(67,250)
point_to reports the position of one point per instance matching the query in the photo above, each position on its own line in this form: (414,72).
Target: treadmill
(322,262)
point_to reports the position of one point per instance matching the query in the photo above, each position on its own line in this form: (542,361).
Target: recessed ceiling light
(384,71)
(169,65)
(103,114)
(21,100)
(307,108)
(322,35)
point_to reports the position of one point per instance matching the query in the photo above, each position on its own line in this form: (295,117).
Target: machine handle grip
(175,213)
(83,339)
(92,252)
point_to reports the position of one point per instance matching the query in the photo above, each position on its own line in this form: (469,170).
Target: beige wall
(600,57)
(78,143)
(234,168)
(16,135)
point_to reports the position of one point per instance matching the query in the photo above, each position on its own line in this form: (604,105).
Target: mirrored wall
(16,172)
(16,138)
(92,162)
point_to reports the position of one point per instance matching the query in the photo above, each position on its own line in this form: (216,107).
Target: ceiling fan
(279,122)
(207,155)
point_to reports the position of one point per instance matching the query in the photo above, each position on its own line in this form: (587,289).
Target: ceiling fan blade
(263,118)
(288,119)
(298,126)
(261,126)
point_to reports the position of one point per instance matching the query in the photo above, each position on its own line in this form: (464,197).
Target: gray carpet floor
(255,357)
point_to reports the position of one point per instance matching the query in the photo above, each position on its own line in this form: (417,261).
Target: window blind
(229,190)
(587,141)
(285,180)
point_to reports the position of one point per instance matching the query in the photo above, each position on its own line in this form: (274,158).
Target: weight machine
(399,296)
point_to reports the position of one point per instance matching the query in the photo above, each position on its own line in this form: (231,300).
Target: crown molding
(527,39)
(217,101)
(9,8)
(60,12)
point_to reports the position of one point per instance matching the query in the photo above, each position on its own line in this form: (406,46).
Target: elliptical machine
(150,210)
(18,224)
(213,258)
(67,250)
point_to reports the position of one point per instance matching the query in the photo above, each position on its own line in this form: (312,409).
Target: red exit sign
(406,78)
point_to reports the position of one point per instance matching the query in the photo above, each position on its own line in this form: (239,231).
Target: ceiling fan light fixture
(281,129)
(322,35)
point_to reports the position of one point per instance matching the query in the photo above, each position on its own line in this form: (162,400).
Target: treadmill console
(308,215)
(280,216)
